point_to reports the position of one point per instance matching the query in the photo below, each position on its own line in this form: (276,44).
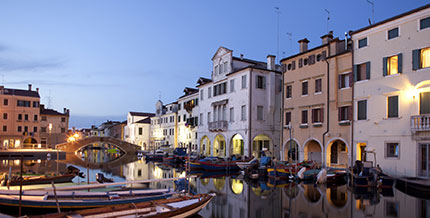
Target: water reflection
(100,152)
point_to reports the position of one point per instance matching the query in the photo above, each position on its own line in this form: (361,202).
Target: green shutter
(425,103)
(384,66)
(368,70)
(355,73)
(416,59)
(399,62)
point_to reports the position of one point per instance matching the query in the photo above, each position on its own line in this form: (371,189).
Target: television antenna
(290,37)
(278,12)
(328,17)
(373,10)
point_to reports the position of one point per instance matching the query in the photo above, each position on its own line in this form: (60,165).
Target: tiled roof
(44,111)
(19,92)
(146,120)
(141,114)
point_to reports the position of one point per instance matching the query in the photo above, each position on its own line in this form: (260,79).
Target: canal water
(236,197)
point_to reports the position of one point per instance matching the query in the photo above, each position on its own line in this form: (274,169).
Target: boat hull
(219,167)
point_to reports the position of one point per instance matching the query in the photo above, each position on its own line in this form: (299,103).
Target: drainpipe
(250,143)
(281,138)
(352,107)
(328,106)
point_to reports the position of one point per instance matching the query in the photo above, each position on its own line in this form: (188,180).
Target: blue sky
(103,58)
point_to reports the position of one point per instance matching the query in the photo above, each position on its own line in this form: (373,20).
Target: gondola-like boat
(218,164)
(37,179)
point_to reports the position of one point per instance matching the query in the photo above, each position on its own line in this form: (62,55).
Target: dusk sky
(103,58)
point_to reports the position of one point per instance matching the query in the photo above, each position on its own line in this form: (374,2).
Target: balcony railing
(420,123)
(218,126)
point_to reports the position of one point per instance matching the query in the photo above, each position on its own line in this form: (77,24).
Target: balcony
(420,123)
(218,126)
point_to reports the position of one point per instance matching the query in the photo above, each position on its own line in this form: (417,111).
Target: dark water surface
(237,197)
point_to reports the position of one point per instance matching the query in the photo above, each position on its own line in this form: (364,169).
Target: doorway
(424,159)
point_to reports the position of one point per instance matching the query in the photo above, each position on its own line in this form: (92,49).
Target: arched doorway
(293,153)
(30,142)
(313,151)
(261,141)
(337,154)
(237,145)
(205,145)
(219,146)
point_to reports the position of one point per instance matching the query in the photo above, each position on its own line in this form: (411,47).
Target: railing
(420,123)
(218,125)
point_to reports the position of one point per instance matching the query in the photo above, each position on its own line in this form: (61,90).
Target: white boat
(245,164)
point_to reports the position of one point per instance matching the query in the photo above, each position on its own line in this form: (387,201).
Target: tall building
(137,130)
(392,93)
(53,126)
(20,116)
(317,103)
(239,106)
(188,118)
(163,125)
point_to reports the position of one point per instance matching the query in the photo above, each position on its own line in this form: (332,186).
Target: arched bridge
(74,146)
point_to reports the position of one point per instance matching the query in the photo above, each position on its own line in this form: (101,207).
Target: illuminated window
(392,65)
(425,57)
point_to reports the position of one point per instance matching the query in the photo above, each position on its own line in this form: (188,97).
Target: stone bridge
(74,146)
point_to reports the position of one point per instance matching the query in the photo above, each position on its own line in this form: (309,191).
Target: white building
(239,106)
(188,118)
(138,129)
(392,92)
(163,125)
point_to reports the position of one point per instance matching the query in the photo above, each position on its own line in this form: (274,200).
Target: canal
(236,197)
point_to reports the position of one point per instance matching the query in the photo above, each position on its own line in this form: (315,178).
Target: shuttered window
(345,80)
(289,91)
(305,88)
(261,82)
(393,106)
(420,58)
(392,65)
(317,115)
(425,103)
(362,110)
(362,71)
(287,118)
(318,85)
(345,113)
(304,117)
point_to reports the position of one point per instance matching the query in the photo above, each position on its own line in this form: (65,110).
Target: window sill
(303,125)
(392,75)
(361,120)
(361,81)
(317,125)
(304,95)
(317,93)
(392,158)
(344,123)
(288,98)
(345,88)
(392,118)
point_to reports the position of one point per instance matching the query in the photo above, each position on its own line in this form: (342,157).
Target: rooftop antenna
(277,34)
(328,17)
(49,99)
(373,10)
(2,79)
(290,37)
(159,95)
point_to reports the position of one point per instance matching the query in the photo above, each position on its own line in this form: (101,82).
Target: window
(25,128)
(362,43)
(392,149)
(201,94)
(287,118)
(393,33)
(35,129)
(216,70)
(25,116)
(35,104)
(4,116)
(209,92)
(243,112)
(362,110)
(185,117)
(201,119)
(260,112)
(5,102)
(393,106)
(392,209)
(4,128)
(345,80)
(420,58)
(19,128)
(225,67)
(345,113)
(231,114)
(35,117)
(317,115)
(63,130)
(392,65)
(220,89)
(304,117)
(232,85)
(261,82)
(209,117)
(140,131)
(305,88)
(179,118)
(43,129)
(244,82)
(362,71)
(425,23)
(19,116)
(43,118)
(289,91)
(318,85)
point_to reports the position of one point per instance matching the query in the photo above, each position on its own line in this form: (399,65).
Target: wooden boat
(178,207)
(39,179)
(78,199)
(413,186)
(218,164)
(245,163)
(194,165)
(282,170)
(156,156)
(100,177)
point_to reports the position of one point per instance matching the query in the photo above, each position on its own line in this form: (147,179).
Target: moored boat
(246,163)
(218,164)
(416,187)
(37,179)
(177,206)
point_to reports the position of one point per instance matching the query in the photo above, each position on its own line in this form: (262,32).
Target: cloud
(63,83)
(11,64)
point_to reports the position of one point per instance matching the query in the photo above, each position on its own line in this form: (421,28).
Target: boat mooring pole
(88,175)
(55,195)
(20,183)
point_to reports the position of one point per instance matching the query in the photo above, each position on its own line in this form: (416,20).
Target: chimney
(29,87)
(303,43)
(37,90)
(327,38)
(271,62)
(241,56)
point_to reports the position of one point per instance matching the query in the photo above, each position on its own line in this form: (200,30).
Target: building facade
(20,117)
(317,103)
(53,126)
(164,125)
(239,106)
(392,93)
(138,128)
(188,118)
